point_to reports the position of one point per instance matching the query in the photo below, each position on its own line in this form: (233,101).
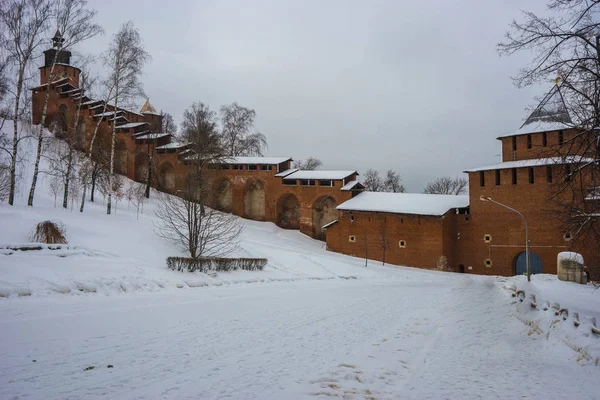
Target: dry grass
(49,232)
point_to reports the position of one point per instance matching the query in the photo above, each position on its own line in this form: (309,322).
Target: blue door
(535,264)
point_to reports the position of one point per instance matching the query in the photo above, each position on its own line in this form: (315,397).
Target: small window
(352,239)
(528,141)
(325,183)
(568,237)
(402,244)
(549,173)
(514,143)
(265,167)
(497,177)
(531,175)
(307,182)
(481,178)
(238,167)
(544,139)
(488,262)
(514,176)
(561,138)
(252,167)
(487,238)
(289,182)
(352,218)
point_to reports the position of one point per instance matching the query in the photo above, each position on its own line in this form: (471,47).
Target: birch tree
(77,25)
(391,183)
(25,23)
(125,60)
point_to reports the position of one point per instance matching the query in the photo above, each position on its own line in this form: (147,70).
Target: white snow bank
(566,310)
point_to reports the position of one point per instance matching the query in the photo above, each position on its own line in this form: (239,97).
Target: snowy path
(449,337)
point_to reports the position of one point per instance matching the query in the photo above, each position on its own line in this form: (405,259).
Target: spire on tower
(147,108)
(58,39)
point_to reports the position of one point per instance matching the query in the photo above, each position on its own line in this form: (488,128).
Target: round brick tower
(63,67)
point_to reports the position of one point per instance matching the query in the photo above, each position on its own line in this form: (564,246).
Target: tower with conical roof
(153,117)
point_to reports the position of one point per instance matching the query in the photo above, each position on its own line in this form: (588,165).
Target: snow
(256,160)
(536,162)
(316,175)
(286,172)
(404,203)
(350,185)
(107,114)
(329,224)
(537,127)
(172,145)
(151,136)
(570,256)
(131,125)
(102,317)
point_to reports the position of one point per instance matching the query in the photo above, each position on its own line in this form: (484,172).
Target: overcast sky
(413,86)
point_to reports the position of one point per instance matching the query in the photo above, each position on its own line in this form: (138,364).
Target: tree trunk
(112,150)
(70,141)
(94,176)
(83,198)
(13,161)
(36,168)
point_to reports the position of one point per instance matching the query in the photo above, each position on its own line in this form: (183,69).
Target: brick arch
(223,195)
(166,177)
(121,157)
(323,212)
(288,212)
(254,200)
(141,167)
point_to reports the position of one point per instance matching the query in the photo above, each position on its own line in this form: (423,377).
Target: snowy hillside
(103,318)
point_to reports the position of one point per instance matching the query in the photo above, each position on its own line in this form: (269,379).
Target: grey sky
(413,86)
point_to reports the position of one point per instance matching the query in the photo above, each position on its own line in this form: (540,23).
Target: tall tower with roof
(153,117)
(63,67)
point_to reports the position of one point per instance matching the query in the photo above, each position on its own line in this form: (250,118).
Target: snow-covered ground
(106,319)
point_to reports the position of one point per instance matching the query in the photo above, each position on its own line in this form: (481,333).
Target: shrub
(49,232)
(214,264)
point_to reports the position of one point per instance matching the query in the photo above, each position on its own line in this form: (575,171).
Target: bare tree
(392,182)
(447,185)
(566,46)
(372,181)
(237,124)
(125,59)
(94,167)
(168,123)
(76,22)
(54,187)
(383,238)
(310,164)
(24,23)
(199,230)
(135,194)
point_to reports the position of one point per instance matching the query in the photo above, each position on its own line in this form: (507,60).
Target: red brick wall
(426,237)
(537,150)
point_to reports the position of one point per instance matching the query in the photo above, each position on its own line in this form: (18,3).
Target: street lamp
(526,231)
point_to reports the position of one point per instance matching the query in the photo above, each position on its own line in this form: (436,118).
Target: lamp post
(526,231)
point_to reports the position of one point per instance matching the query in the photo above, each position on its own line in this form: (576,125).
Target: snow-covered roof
(172,145)
(107,114)
(551,114)
(536,162)
(52,83)
(255,160)
(286,172)
(350,185)
(72,91)
(91,102)
(329,224)
(405,203)
(152,136)
(132,125)
(317,175)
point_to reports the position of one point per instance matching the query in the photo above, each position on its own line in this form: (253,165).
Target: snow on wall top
(350,185)
(536,162)
(132,125)
(286,172)
(172,145)
(316,175)
(405,203)
(256,160)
